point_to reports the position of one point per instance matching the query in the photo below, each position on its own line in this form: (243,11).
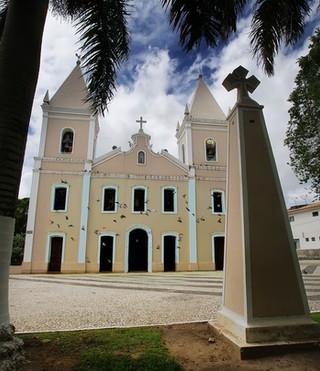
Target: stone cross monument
(264,300)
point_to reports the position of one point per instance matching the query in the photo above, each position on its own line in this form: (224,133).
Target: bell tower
(202,135)
(62,169)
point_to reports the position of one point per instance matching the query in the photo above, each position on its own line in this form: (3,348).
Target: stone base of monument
(256,341)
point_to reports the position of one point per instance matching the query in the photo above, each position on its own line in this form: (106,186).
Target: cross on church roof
(141,121)
(238,80)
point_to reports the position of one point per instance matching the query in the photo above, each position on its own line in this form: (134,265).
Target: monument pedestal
(264,302)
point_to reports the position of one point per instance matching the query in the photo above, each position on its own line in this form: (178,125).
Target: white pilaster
(43,132)
(91,139)
(31,213)
(189,154)
(192,221)
(84,217)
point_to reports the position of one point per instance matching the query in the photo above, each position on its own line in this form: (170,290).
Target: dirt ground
(189,344)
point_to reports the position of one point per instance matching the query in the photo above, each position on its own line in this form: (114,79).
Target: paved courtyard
(53,302)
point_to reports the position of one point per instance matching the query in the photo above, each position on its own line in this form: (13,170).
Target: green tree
(21,216)
(303,133)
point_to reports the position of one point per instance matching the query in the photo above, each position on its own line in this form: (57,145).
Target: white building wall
(306,228)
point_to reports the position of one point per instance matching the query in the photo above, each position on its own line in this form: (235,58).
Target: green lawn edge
(109,349)
(316,316)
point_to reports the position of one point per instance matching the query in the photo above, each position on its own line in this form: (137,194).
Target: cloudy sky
(159,79)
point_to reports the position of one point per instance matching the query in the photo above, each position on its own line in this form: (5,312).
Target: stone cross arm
(238,80)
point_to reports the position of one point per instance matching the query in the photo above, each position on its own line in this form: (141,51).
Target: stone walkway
(53,302)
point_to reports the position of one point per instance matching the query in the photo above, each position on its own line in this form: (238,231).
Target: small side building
(305,225)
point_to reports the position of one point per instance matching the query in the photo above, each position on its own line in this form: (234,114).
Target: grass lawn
(316,316)
(99,350)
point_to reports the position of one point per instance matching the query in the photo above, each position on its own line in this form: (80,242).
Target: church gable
(140,160)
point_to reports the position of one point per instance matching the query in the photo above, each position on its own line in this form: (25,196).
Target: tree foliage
(303,133)
(273,22)
(21,215)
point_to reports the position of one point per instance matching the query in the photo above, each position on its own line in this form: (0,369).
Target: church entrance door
(169,253)
(138,251)
(219,252)
(55,254)
(106,253)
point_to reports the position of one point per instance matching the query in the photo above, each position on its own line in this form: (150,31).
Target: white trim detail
(48,249)
(116,199)
(145,198)
(53,189)
(175,198)
(192,221)
(126,247)
(114,236)
(84,218)
(27,256)
(222,201)
(177,253)
(62,131)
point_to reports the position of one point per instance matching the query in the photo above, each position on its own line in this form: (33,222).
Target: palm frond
(203,20)
(102,25)
(273,22)
(68,8)
(3,15)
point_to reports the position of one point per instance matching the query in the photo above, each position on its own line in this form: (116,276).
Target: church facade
(126,211)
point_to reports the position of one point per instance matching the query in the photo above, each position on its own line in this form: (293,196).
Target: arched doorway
(218,247)
(106,253)
(138,251)
(56,246)
(169,253)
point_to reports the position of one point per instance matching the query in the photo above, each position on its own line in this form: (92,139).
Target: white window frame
(53,191)
(177,252)
(110,234)
(175,199)
(205,150)
(116,200)
(291,218)
(223,201)
(48,249)
(145,158)
(61,134)
(145,199)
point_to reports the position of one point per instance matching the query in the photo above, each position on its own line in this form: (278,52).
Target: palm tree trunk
(20,48)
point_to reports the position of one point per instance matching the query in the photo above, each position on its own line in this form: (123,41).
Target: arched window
(211,150)
(141,157)
(67,141)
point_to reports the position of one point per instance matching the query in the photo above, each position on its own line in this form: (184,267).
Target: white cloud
(154,75)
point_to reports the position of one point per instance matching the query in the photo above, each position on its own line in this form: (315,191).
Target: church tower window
(211,150)
(139,199)
(141,157)
(67,141)
(217,202)
(109,203)
(60,195)
(169,200)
